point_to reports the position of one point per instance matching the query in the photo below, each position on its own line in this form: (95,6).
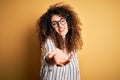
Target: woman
(60,38)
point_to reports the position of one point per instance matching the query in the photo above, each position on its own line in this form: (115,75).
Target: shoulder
(49,43)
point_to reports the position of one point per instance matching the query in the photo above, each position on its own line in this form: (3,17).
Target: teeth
(61,30)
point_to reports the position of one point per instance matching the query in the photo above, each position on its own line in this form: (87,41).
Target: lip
(61,30)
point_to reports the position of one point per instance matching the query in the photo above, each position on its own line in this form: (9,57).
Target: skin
(57,56)
(60,29)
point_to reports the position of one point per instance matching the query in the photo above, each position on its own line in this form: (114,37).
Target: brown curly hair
(73,39)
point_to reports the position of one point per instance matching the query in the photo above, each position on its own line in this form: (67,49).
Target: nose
(59,25)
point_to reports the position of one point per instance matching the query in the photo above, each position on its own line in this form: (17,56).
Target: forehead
(56,17)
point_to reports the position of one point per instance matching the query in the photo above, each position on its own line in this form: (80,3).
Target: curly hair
(73,39)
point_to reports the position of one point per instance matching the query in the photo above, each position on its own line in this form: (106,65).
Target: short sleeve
(47,49)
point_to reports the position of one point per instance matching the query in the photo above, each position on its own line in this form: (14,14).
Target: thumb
(71,56)
(69,59)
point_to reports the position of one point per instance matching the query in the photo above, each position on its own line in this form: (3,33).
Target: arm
(55,56)
(58,58)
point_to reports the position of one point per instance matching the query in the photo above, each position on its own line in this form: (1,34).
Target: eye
(54,24)
(63,21)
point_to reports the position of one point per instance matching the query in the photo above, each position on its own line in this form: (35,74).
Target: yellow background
(19,46)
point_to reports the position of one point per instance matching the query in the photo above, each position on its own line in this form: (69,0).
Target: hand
(69,59)
(59,58)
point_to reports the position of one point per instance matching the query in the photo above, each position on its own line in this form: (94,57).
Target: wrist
(49,60)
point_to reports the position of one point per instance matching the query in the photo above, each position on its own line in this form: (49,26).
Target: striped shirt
(52,72)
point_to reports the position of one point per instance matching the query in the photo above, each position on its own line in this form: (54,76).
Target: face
(60,25)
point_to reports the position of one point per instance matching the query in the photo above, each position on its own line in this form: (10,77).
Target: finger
(60,65)
(71,56)
(69,59)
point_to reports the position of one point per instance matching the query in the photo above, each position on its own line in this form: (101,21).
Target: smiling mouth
(61,30)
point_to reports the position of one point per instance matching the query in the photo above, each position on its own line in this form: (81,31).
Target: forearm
(49,60)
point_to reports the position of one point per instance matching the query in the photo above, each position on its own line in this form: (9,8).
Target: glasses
(62,21)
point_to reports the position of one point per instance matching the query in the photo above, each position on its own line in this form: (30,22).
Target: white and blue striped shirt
(53,72)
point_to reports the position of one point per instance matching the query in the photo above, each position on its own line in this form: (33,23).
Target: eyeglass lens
(61,21)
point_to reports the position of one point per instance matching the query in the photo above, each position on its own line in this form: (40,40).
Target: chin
(63,36)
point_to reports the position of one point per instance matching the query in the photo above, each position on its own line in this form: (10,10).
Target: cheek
(56,29)
(67,28)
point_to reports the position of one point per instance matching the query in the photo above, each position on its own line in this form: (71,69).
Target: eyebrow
(58,20)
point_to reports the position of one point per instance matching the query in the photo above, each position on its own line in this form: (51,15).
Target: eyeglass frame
(59,22)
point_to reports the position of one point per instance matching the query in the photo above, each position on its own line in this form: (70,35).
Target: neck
(63,37)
